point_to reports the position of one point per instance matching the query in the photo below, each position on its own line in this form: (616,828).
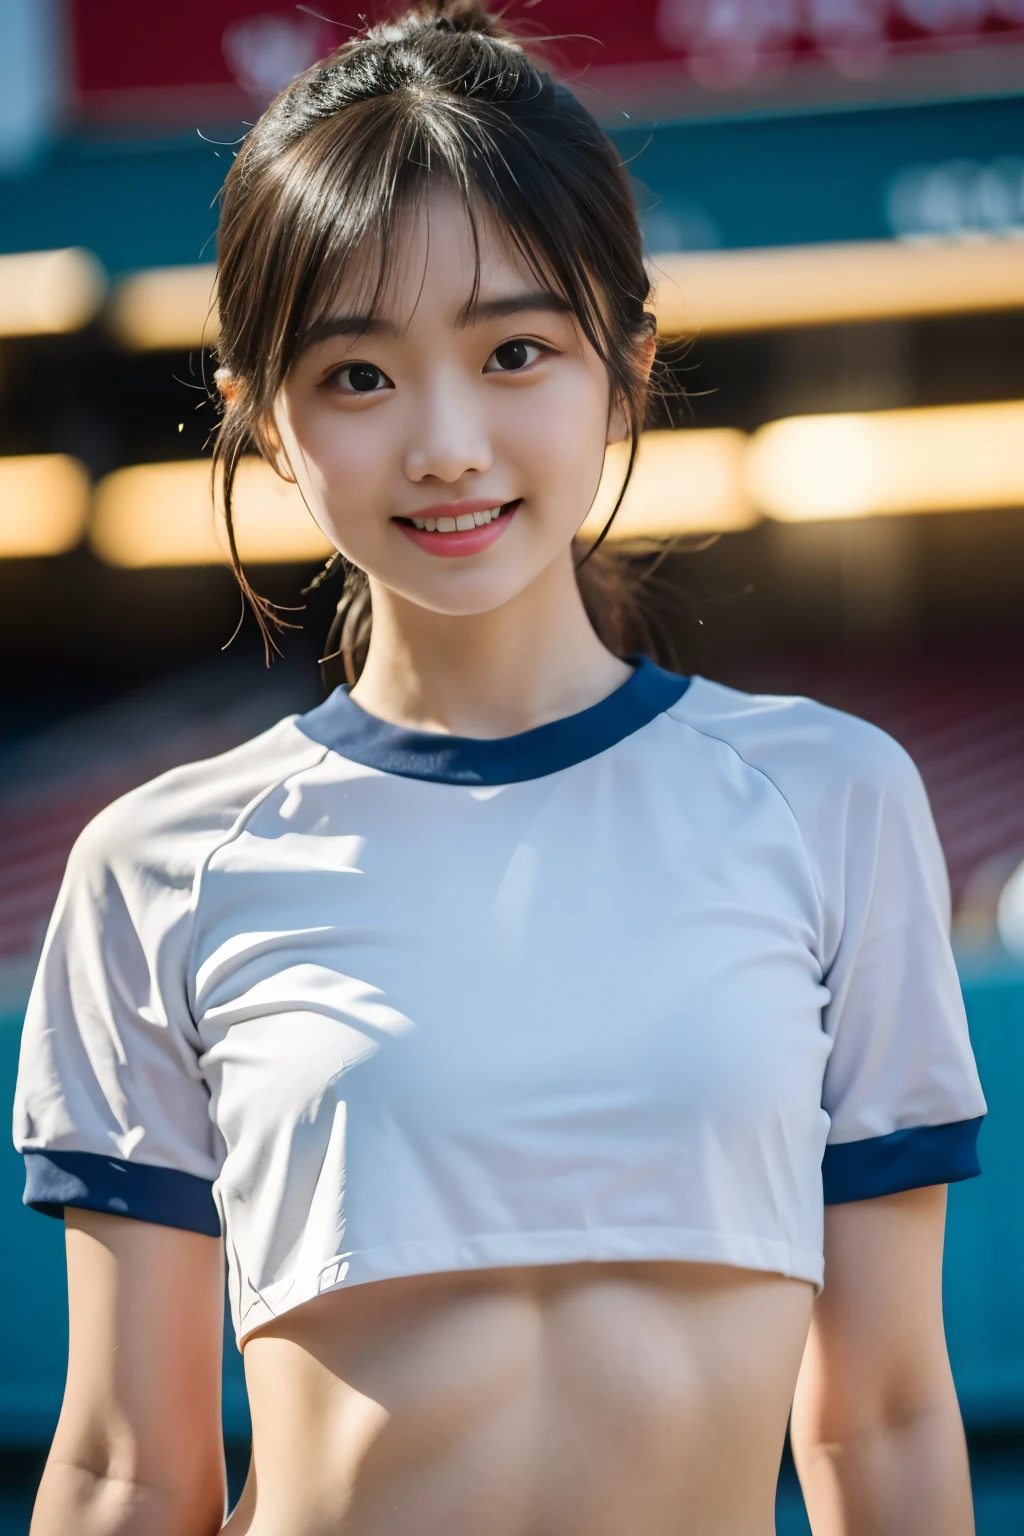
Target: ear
(618,421)
(274,450)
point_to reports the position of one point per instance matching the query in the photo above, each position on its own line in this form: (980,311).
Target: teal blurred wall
(984,1273)
(984,1269)
(771,179)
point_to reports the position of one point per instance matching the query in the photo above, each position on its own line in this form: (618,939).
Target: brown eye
(512,356)
(362,379)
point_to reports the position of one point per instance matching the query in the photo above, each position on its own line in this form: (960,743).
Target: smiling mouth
(464,523)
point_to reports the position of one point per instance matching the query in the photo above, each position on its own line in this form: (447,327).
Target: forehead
(439,258)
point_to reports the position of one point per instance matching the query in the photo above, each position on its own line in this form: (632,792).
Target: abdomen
(568,1400)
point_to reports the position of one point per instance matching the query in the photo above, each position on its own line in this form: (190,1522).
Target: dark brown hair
(444,92)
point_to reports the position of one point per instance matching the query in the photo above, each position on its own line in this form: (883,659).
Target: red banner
(233,51)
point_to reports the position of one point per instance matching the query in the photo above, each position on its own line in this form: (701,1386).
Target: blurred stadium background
(833,202)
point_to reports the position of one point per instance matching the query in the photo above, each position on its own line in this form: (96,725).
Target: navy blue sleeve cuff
(92,1182)
(911,1159)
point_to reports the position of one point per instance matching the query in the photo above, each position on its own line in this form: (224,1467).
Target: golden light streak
(163,514)
(683,482)
(44,503)
(45,293)
(166,307)
(710,292)
(952,458)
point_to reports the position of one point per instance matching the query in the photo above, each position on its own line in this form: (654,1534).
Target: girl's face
(450,446)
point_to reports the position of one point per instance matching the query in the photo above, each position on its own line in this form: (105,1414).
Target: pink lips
(469,542)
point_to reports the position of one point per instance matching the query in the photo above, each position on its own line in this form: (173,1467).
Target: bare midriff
(563,1400)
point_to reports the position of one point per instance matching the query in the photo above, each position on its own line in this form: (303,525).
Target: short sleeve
(111,1109)
(901,1088)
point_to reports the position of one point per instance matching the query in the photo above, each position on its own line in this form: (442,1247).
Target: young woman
(533,1028)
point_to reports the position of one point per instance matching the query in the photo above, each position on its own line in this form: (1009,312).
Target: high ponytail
(452,16)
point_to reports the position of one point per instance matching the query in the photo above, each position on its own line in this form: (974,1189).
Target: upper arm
(138,1446)
(876,1351)
(876,1429)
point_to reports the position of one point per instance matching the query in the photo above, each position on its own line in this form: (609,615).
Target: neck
(534,659)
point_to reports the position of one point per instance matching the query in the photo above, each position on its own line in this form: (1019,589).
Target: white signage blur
(31,78)
(265,52)
(731,41)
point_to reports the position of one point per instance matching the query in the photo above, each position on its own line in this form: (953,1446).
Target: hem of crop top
(521,1250)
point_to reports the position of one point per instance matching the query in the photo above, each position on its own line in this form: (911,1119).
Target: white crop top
(651,982)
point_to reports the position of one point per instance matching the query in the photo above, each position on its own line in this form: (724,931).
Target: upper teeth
(460,524)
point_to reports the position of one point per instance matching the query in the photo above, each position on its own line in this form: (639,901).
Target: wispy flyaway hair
(444,95)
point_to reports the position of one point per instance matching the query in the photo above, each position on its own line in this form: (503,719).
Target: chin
(466,600)
(466,588)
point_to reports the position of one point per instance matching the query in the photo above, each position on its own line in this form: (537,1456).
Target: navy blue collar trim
(339,723)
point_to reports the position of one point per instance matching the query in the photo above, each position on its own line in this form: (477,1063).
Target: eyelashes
(360,379)
(513,356)
(363,378)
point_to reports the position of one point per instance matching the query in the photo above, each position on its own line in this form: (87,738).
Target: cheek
(558,437)
(342,450)
(341,465)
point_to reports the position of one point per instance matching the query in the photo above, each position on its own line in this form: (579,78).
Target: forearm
(907,1477)
(72,1497)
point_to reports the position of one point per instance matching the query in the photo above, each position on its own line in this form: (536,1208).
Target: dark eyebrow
(473,314)
(344,325)
(515,304)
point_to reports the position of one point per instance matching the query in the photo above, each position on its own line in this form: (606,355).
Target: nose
(449,437)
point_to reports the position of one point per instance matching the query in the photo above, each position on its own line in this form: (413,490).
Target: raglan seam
(234,831)
(754,768)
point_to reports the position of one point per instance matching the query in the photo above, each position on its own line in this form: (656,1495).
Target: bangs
(345,195)
(369,272)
